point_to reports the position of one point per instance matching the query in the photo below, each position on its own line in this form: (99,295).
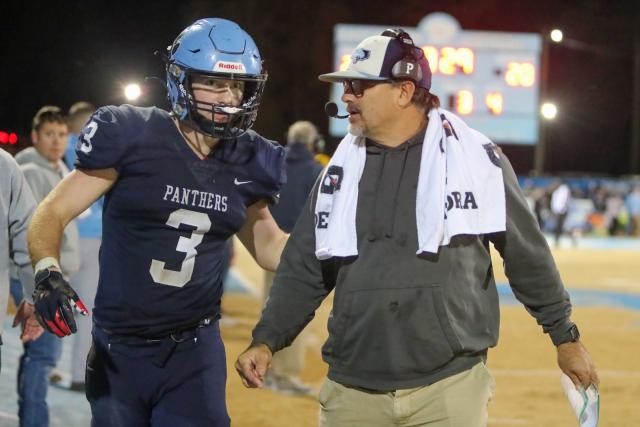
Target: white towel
(337,198)
(460,189)
(585,403)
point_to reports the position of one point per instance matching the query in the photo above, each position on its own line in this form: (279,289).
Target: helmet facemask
(239,118)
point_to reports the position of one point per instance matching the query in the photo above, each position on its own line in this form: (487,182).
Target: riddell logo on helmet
(229,67)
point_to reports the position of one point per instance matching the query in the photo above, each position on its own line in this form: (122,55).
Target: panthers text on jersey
(167,217)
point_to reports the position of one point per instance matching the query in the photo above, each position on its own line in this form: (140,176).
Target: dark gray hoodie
(400,320)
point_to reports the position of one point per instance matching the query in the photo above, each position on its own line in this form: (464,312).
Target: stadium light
(604,51)
(556,35)
(549,110)
(132,91)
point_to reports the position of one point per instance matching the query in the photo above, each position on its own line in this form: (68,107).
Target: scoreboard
(490,79)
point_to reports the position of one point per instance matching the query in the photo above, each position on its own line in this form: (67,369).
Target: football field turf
(605,286)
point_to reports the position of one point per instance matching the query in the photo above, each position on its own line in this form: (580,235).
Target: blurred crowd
(596,207)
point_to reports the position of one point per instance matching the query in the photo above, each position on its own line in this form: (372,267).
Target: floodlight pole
(538,161)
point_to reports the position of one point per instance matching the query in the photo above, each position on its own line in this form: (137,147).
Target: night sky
(59,52)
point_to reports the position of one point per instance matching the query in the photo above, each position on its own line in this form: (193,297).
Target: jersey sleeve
(103,141)
(273,173)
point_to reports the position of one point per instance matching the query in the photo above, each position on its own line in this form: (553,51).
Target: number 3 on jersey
(85,139)
(188,245)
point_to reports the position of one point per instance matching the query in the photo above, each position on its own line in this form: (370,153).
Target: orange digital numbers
(494,102)
(450,60)
(344,62)
(464,102)
(432,55)
(520,74)
(447,63)
(453,60)
(446,60)
(466,60)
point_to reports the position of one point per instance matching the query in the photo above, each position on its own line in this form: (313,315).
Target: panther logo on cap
(360,55)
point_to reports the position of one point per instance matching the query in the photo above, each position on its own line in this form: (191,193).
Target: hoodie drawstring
(373,226)
(397,191)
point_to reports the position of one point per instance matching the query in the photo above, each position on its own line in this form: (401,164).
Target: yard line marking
(556,373)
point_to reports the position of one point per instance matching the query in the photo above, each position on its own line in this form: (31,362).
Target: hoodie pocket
(394,332)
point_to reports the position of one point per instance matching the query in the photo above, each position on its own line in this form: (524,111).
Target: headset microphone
(331,110)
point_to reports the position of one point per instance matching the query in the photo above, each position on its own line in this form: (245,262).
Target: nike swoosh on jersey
(236,182)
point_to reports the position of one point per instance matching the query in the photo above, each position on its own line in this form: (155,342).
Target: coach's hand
(252,365)
(575,361)
(52,299)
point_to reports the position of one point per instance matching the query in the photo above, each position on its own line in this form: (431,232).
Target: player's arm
(262,237)
(298,289)
(73,195)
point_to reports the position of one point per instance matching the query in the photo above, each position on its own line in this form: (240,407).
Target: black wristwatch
(572,335)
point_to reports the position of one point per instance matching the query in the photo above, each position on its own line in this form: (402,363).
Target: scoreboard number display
(489,78)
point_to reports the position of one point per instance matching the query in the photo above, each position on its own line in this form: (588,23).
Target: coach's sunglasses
(357,87)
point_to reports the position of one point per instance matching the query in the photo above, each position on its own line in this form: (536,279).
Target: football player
(176,186)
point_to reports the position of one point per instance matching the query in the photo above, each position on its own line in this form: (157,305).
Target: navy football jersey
(167,217)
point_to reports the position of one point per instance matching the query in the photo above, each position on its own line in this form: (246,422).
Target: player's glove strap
(52,299)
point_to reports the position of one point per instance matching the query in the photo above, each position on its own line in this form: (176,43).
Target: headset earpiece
(407,68)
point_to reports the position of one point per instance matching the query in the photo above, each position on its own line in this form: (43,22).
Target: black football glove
(52,299)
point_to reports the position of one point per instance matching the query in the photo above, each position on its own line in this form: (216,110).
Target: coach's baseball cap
(374,58)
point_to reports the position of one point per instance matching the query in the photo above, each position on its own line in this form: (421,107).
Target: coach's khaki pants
(457,401)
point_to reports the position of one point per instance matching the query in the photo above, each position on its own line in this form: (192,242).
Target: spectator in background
(615,213)
(302,172)
(560,202)
(632,202)
(16,207)
(599,196)
(320,148)
(89,223)
(43,168)
(540,205)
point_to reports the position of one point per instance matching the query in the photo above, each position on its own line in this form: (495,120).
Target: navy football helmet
(219,49)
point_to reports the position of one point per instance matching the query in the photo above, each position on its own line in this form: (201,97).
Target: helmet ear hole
(175,47)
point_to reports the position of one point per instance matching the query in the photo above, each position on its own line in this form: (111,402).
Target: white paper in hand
(585,403)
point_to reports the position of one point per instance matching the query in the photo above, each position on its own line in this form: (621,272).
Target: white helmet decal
(229,67)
